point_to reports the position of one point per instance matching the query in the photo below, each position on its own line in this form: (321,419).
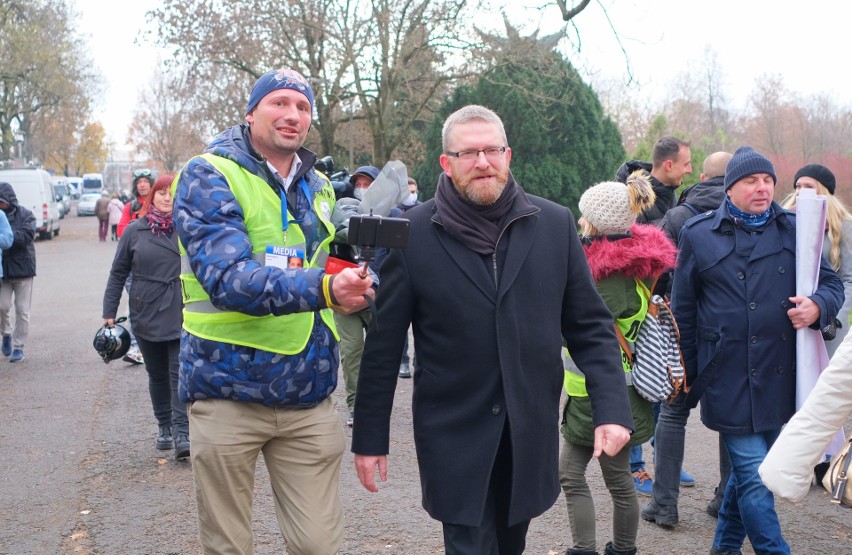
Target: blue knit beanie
(283,78)
(746,162)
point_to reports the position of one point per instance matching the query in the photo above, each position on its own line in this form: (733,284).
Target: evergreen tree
(561,141)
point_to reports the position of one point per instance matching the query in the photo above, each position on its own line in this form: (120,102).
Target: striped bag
(658,373)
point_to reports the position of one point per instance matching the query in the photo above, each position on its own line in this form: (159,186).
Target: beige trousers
(302,450)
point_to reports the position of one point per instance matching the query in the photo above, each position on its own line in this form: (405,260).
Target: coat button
(496,409)
(779,369)
(783,337)
(754,339)
(740,275)
(752,305)
(783,304)
(754,371)
(781,269)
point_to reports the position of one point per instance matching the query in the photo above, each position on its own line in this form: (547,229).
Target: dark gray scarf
(477,227)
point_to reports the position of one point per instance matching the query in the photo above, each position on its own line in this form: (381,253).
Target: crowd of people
(243,345)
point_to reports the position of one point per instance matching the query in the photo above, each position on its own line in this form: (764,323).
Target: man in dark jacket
(672,159)
(707,194)
(19,269)
(734,298)
(670,434)
(493,279)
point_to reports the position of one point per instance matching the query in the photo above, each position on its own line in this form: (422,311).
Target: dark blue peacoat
(730,299)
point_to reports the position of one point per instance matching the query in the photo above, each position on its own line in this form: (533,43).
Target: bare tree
(44,69)
(387,62)
(163,125)
(770,126)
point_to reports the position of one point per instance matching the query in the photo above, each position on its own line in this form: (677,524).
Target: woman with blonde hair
(837,247)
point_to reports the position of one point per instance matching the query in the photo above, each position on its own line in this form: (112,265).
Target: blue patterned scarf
(747,219)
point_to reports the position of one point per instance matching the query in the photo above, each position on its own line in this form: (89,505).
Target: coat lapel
(468,261)
(520,234)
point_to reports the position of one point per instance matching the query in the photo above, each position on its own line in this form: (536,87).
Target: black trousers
(493,536)
(161,363)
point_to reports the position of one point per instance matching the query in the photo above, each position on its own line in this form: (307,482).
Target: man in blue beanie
(734,298)
(258,355)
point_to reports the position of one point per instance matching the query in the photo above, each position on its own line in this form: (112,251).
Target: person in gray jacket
(149,248)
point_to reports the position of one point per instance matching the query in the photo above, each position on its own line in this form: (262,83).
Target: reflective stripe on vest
(575,383)
(261,207)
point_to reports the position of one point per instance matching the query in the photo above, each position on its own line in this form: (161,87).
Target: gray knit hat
(745,162)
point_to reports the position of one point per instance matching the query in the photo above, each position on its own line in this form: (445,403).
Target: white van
(35,192)
(92,183)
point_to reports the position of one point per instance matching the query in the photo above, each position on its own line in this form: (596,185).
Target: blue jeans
(748,508)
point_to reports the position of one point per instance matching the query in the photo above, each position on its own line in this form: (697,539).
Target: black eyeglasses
(492,153)
(144,172)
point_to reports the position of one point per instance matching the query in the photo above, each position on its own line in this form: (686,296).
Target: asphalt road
(81,475)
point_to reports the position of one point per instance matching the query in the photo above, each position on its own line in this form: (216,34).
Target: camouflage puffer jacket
(210,225)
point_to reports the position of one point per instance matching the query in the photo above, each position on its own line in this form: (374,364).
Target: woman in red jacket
(142,182)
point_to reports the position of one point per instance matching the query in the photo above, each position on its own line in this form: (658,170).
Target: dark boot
(716,504)
(572,551)
(663,516)
(714,551)
(181,447)
(165,441)
(610,550)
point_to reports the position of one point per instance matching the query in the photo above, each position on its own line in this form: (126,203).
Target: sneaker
(656,514)
(351,420)
(17,355)
(165,440)
(686,479)
(7,345)
(644,483)
(404,370)
(181,447)
(133,356)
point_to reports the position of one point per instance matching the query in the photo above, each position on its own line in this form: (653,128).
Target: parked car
(86,204)
(34,191)
(63,197)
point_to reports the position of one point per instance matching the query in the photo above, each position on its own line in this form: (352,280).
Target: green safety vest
(287,334)
(575,384)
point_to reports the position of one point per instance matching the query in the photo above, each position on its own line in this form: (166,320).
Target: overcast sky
(809,49)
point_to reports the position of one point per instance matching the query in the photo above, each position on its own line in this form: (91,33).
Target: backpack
(656,362)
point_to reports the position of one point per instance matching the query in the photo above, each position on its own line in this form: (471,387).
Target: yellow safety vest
(261,206)
(575,384)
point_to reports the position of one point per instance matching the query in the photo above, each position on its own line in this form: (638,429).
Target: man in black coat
(672,160)
(707,194)
(19,269)
(493,280)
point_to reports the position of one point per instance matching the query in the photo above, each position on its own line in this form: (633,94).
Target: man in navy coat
(493,280)
(734,298)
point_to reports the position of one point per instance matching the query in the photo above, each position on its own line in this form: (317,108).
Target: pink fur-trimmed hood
(646,254)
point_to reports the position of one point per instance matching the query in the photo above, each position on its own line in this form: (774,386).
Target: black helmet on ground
(112,342)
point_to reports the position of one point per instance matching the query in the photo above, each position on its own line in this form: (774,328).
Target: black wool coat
(155,301)
(488,356)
